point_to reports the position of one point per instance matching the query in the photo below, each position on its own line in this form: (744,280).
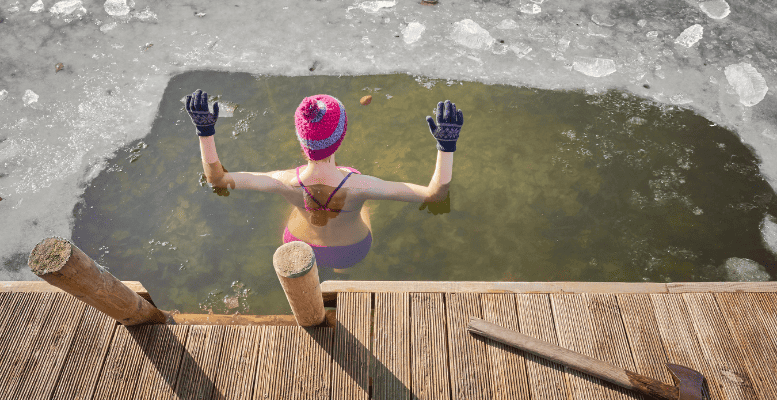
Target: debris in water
(690,36)
(366,100)
(148,46)
(468,33)
(716,9)
(429,2)
(314,66)
(29,97)
(37,7)
(596,67)
(59,67)
(199,14)
(116,8)
(749,84)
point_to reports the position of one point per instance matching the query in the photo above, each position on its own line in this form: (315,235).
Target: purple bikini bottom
(336,256)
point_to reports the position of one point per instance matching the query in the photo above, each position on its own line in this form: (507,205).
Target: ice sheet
(58,125)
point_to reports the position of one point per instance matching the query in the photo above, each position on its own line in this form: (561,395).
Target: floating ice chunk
(3,94)
(602,20)
(749,84)
(37,7)
(108,26)
(769,233)
(29,97)
(145,15)
(14,8)
(596,67)
(520,49)
(412,32)
(67,7)
(745,270)
(507,24)
(531,9)
(690,35)
(680,99)
(116,8)
(373,7)
(716,9)
(468,33)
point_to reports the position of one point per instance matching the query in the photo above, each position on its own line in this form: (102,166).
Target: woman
(329,212)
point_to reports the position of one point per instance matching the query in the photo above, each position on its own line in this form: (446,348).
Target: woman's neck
(322,165)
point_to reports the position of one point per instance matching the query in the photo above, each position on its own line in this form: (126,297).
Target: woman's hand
(447,127)
(197,107)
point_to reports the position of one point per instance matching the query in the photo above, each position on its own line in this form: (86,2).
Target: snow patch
(690,36)
(67,7)
(373,7)
(749,84)
(745,270)
(116,8)
(412,32)
(716,9)
(596,67)
(37,7)
(468,33)
(29,97)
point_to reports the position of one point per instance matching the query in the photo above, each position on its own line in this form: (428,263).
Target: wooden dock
(399,340)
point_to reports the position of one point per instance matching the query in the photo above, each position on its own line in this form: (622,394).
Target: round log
(295,265)
(64,265)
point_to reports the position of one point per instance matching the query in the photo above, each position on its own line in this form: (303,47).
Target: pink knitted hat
(321,124)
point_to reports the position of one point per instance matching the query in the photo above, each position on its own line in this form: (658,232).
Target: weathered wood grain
(43,286)
(49,349)
(197,373)
(508,366)
(391,347)
(743,314)
(535,317)
(162,357)
(314,363)
(430,376)
(644,337)
(119,376)
(236,369)
(350,375)
(719,347)
(329,287)
(470,375)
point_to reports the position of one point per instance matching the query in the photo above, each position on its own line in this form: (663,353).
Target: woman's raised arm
(215,174)
(445,129)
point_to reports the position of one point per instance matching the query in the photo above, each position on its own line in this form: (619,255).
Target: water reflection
(547,186)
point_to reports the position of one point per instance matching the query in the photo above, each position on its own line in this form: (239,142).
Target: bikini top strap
(335,191)
(308,191)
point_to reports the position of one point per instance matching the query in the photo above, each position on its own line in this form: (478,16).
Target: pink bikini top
(324,207)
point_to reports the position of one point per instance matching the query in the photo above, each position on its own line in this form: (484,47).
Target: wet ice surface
(58,127)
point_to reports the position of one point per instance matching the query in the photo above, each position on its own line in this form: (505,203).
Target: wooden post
(65,266)
(295,265)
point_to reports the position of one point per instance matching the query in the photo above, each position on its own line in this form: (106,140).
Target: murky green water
(547,186)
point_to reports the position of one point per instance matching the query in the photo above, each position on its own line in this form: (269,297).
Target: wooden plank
(766,306)
(644,337)
(350,375)
(197,374)
(237,368)
(232,319)
(314,363)
(470,375)
(43,286)
(508,366)
(86,356)
(159,370)
(679,339)
(39,375)
(283,381)
(391,347)
(576,333)
(743,316)
(268,356)
(429,355)
(120,372)
(330,287)
(23,341)
(21,308)
(717,287)
(718,346)
(535,317)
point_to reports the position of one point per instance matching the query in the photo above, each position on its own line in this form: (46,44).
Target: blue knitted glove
(197,107)
(448,126)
